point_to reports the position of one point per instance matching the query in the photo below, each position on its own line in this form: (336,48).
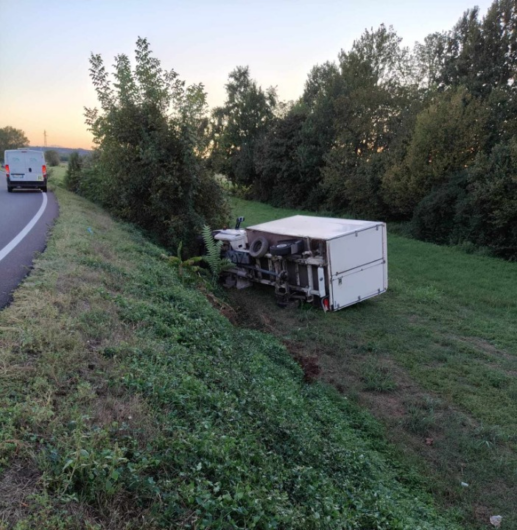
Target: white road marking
(10,246)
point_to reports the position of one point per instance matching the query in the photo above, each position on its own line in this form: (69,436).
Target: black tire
(259,247)
(9,189)
(44,189)
(284,248)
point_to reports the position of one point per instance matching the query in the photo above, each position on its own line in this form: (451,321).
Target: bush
(492,205)
(436,216)
(478,206)
(52,158)
(73,173)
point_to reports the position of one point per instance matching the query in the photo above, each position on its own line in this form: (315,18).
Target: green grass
(434,359)
(257,212)
(128,401)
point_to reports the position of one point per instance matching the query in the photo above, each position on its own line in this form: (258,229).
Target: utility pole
(45,138)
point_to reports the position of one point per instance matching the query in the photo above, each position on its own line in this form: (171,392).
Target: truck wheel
(9,189)
(285,248)
(259,247)
(282,249)
(44,189)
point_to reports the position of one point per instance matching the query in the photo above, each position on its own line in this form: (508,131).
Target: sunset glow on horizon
(44,77)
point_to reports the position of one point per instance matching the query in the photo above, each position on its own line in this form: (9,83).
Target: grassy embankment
(435,359)
(128,401)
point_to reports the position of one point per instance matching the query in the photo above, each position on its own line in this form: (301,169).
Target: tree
(462,52)
(376,92)
(323,87)
(11,138)
(290,155)
(448,135)
(280,177)
(52,158)
(429,60)
(320,83)
(238,124)
(390,63)
(482,54)
(149,136)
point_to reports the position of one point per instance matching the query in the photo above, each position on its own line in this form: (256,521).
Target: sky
(45,47)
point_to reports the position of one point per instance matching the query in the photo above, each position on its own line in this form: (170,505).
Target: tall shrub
(492,206)
(149,133)
(73,172)
(52,158)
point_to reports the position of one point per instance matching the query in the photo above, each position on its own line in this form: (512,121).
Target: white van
(25,169)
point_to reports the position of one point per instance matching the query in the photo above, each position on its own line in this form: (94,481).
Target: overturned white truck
(331,262)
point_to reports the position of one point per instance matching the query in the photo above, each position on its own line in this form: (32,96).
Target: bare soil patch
(17,483)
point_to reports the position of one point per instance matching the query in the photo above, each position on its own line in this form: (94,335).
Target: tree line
(426,135)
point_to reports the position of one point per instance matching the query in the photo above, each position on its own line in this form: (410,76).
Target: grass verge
(434,359)
(128,401)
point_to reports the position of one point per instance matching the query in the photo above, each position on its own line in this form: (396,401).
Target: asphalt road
(25,219)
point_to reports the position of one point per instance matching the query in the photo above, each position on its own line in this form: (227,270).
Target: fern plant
(213,258)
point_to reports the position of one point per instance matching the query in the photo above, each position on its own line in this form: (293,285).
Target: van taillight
(44,169)
(7,170)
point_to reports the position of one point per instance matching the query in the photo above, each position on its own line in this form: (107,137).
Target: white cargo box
(349,257)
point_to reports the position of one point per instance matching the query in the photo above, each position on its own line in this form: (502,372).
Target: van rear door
(17,166)
(33,166)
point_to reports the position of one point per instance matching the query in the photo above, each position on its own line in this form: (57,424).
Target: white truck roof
(324,228)
(23,150)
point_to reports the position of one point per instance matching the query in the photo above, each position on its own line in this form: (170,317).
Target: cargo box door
(357,249)
(358,266)
(358,284)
